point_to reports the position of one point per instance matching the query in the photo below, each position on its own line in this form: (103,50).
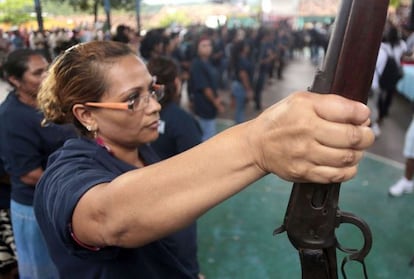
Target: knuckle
(338,177)
(344,175)
(297,172)
(354,135)
(349,157)
(299,151)
(298,99)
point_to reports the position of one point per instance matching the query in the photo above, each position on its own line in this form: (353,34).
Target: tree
(88,5)
(93,5)
(395,3)
(16,11)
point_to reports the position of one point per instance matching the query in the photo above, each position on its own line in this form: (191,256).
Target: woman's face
(128,129)
(205,48)
(33,77)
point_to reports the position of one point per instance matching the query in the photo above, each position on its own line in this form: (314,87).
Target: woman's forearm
(151,202)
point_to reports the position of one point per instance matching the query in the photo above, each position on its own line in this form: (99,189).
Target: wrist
(251,144)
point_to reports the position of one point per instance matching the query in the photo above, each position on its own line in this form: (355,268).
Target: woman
(266,57)
(179,131)
(25,146)
(242,72)
(393,47)
(104,207)
(203,86)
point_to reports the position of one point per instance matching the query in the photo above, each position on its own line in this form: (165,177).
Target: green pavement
(236,241)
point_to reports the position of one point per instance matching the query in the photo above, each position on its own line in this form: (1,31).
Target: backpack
(391,74)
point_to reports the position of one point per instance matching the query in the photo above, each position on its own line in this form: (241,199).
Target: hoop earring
(92,130)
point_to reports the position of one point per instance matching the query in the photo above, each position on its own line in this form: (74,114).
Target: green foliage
(395,3)
(178,17)
(87,5)
(81,5)
(54,7)
(16,11)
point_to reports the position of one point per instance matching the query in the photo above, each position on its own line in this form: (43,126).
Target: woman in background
(178,132)
(203,86)
(241,70)
(25,146)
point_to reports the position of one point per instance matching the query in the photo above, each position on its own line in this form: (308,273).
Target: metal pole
(411,19)
(138,13)
(38,10)
(107,7)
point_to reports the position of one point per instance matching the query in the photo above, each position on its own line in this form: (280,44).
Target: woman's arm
(245,80)
(305,137)
(32,177)
(215,100)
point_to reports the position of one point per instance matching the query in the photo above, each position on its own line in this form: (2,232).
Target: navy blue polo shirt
(25,144)
(202,76)
(178,131)
(72,170)
(244,64)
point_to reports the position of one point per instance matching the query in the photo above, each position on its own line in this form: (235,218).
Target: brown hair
(166,71)
(76,77)
(16,63)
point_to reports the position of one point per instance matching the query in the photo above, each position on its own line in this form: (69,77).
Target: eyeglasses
(135,102)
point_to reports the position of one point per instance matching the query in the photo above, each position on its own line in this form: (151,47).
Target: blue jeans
(208,127)
(239,93)
(33,257)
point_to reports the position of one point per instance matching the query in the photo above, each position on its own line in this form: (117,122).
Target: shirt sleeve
(58,193)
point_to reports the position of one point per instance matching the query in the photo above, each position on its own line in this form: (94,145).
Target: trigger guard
(355,254)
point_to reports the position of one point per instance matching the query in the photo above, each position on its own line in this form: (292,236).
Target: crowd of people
(109,171)
(268,50)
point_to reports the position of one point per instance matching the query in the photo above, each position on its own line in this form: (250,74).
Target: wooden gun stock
(313,214)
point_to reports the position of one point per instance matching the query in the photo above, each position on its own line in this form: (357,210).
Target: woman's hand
(219,105)
(310,137)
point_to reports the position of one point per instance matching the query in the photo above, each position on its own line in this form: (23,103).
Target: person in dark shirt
(203,87)
(241,69)
(178,132)
(106,206)
(152,45)
(178,129)
(25,146)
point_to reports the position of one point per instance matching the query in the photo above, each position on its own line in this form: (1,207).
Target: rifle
(313,214)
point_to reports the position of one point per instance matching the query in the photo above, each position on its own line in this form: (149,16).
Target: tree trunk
(411,19)
(107,7)
(38,9)
(95,11)
(138,12)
